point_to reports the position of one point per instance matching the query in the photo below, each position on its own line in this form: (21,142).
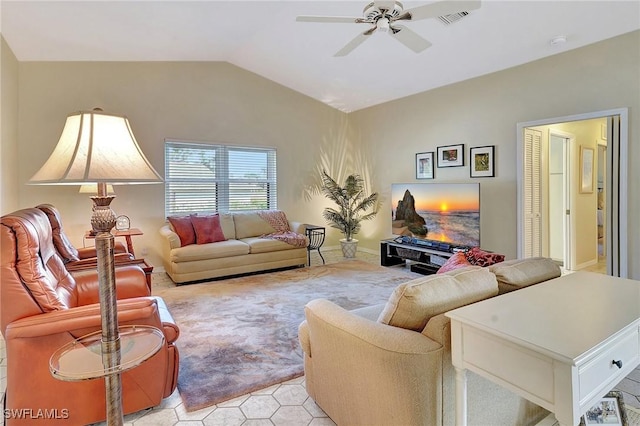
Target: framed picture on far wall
(451,156)
(481,162)
(586,170)
(424,165)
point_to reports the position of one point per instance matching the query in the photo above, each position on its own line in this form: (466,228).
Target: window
(209,178)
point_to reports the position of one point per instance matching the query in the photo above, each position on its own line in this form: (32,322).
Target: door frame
(618,255)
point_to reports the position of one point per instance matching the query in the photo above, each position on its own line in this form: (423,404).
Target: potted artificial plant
(353,205)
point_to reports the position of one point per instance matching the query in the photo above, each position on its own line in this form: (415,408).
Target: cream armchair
(363,371)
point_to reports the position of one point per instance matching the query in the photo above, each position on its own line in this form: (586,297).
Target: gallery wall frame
(586,169)
(424,165)
(451,155)
(481,161)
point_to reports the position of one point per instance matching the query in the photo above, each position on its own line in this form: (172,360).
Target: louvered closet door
(532,193)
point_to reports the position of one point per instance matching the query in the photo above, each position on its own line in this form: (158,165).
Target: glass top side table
(82,358)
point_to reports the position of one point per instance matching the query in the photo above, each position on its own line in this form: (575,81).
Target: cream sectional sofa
(390,364)
(245,250)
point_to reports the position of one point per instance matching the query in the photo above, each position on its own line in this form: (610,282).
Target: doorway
(566,210)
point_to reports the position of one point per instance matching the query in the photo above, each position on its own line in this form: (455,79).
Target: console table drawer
(601,369)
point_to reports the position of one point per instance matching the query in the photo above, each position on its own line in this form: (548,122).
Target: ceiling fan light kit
(384,16)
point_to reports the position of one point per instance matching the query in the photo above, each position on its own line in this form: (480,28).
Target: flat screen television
(445,212)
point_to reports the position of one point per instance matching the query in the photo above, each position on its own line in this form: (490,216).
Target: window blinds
(206,178)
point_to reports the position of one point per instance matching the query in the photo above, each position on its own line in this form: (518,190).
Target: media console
(426,256)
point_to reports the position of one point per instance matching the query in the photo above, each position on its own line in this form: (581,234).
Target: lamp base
(103,220)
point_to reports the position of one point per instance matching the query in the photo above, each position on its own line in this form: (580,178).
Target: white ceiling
(264,37)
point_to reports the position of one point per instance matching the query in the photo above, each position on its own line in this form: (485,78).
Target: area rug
(241,335)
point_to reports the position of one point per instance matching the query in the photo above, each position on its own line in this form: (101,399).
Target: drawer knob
(617,363)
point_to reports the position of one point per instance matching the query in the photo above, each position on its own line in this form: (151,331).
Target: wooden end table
(127,234)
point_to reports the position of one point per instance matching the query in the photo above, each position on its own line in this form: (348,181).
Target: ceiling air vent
(454,17)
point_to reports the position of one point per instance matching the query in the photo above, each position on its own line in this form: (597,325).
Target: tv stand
(426,256)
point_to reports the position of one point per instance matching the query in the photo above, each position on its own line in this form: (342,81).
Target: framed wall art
(424,165)
(586,170)
(451,156)
(482,161)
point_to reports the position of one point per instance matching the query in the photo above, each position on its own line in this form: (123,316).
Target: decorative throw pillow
(477,256)
(183,227)
(207,229)
(458,260)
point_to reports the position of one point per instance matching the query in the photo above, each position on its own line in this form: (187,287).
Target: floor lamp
(99,148)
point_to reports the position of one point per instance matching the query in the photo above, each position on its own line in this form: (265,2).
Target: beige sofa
(245,250)
(391,364)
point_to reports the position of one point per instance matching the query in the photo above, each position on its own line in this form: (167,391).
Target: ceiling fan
(385,15)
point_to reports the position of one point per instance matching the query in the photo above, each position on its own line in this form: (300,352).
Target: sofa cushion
(228,225)
(209,251)
(479,257)
(413,303)
(266,245)
(184,228)
(207,229)
(518,273)
(251,225)
(457,261)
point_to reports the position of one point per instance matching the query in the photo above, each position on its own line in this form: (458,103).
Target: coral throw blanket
(278,221)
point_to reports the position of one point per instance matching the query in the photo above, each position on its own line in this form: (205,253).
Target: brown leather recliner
(76,258)
(43,307)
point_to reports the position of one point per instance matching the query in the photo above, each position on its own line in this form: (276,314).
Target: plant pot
(349,248)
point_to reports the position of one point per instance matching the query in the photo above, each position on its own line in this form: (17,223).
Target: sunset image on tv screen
(447,212)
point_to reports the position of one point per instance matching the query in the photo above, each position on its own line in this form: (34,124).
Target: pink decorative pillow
(183,227)
(208,229)
(477,256)
(458,260)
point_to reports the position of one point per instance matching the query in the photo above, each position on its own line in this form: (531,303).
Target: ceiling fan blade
(331,19)
(441,8)
(360,38)
(410,38)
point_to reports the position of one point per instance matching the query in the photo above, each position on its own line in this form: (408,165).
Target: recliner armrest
(84,319)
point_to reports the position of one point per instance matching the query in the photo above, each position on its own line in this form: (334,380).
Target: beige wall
(215,102)
(486,110)
(221,103)
(8,129)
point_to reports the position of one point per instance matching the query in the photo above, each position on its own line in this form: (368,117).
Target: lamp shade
(95,147)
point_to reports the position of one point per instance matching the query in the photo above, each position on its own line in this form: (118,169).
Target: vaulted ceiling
(264,37)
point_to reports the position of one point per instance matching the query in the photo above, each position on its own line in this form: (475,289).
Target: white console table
(562,344)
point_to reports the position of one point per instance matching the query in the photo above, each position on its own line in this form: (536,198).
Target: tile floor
(285,404)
